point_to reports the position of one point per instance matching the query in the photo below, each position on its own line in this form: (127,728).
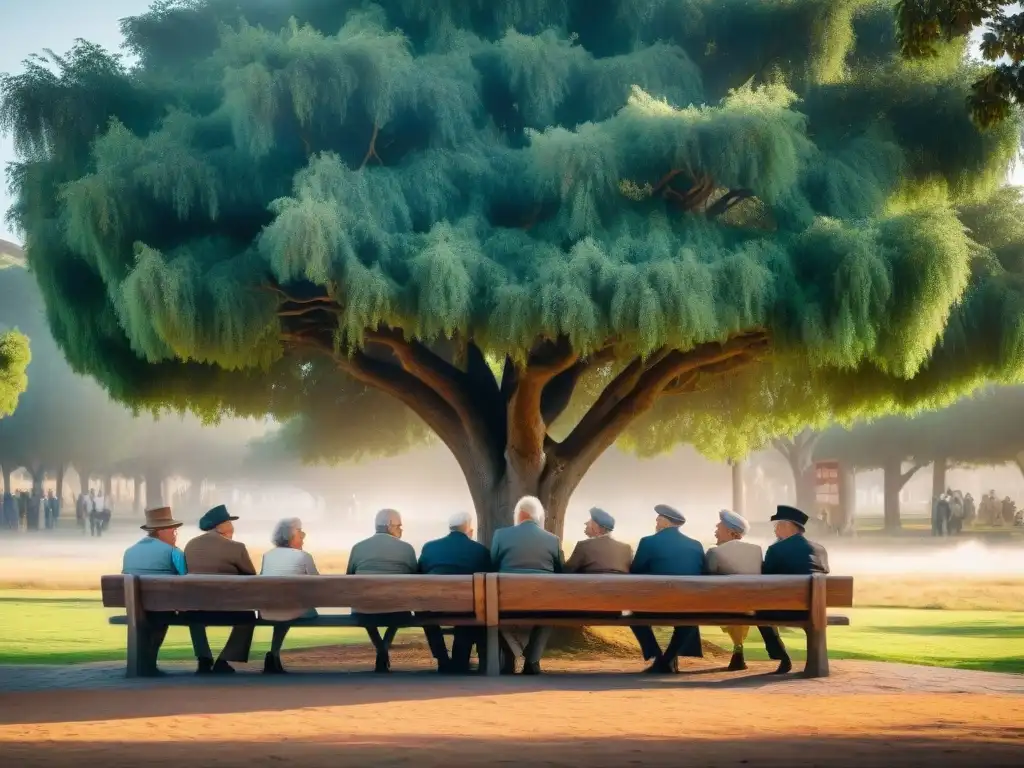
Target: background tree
(540,225)
(14,360)
(926,25)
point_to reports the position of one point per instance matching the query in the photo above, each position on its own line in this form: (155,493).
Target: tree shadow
(385,751)
(181,693)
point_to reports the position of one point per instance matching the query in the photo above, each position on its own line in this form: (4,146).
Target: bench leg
(817,653)
(493,652)
(376,639)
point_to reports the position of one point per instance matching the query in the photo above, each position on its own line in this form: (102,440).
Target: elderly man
(158,555)
(599,552)
(668,552)
(456,553)
(384,552)
(526,548)
(734,557)
(215,552)
(793,555)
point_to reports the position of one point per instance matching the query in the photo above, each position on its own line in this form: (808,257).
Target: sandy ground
(865,714)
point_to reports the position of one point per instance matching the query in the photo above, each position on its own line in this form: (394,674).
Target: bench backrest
(522,592)
(482,594)
(370,594)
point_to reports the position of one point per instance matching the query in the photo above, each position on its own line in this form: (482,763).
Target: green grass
(48,627)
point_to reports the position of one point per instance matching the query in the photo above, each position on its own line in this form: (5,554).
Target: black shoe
(155,672)
(785,666)
(383,663)
(205,667)
(221,667)
(531,668)
(661,667)
(737,663)
(272,665)
(508,664)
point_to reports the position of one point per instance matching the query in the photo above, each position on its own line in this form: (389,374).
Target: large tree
(925,25)
(535,224)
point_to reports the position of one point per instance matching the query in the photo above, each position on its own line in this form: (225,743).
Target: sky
(32,25)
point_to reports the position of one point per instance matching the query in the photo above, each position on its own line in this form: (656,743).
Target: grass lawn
(50,627)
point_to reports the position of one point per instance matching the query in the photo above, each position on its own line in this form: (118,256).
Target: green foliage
(488,170)
(14,360)
(925,24)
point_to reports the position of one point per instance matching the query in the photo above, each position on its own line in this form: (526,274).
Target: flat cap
(734,521)
(670,513)
(602,518)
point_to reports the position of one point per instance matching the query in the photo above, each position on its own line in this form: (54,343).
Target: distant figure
(285,559)
(1009,511)
(99,514)
(215,552)
(384,552)
(794,555)
(156,555)
(82,510)
(35,508)
(23,509)
(668,552)
(733,557)
(455,554)
(941,515)
(9,512)
(970,510)
(599,552)
(526,548)
(51,510)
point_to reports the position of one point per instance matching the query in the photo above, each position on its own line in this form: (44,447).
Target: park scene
(530,382)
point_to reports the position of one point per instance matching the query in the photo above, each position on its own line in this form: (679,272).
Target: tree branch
(728,201)
(598,429)
(558,392)
(372,150)
(905,477)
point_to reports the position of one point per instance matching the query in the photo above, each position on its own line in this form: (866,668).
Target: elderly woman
(285,559)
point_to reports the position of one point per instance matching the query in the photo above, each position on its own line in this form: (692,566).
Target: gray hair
(531,507)
(282,536)
(459,520)
(386,518)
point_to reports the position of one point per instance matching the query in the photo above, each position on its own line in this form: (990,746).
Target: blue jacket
(455,554)
(669,552)
(795,556)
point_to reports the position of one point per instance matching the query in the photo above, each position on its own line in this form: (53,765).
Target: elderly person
(158,555)
(384,552)
(733,557)
(286,559)
(599,552)
(455,554)
(668,552)
(215,552)
(527,548)
(793,555)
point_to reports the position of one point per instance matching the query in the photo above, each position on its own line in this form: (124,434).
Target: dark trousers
(463,640)
(239,642)
(197,632)
(685,641)
(773,643)
(372,622)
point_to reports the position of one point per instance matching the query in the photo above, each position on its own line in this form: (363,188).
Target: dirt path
(866,714)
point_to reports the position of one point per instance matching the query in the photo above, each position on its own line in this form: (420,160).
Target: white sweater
(286,561)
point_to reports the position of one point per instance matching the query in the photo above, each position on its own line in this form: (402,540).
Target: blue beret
(602,518)
(670,513)
(734,522)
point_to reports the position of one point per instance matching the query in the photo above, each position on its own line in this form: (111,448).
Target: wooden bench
(498,601)
(447,601)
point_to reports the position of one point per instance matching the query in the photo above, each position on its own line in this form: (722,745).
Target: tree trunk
(891,501)
(38,478)
(108,488)
(847,499)
(136,494)
(83,479)
(739,490)
(61,468)
(799,453)
(939,477)
(6,470)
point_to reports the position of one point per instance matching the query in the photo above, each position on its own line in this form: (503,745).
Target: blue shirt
(152,557)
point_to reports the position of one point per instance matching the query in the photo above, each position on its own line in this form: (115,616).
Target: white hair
(282,535)
(531,507)
(459,520)
(385,518)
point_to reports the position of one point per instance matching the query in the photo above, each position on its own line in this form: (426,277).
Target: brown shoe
(737,663)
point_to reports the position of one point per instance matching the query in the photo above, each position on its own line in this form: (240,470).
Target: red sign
(826,482)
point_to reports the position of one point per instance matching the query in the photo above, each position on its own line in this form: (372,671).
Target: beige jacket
(734,558)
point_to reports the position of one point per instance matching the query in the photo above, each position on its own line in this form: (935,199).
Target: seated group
(523,548)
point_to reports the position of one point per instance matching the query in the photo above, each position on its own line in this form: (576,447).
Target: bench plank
(323,620)
(369,594)
(520,592)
